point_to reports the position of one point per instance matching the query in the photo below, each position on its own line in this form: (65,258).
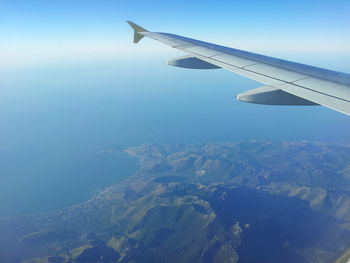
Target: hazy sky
(41,31)
(73,83)
(37,35)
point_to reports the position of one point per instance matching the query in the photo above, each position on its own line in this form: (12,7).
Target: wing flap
(325,87)
(334,103)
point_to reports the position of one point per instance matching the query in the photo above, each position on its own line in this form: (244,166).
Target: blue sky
(37,31)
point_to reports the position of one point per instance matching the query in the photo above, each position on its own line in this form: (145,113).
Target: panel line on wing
(287,82)
(184,46)
(251,65)
(299,80)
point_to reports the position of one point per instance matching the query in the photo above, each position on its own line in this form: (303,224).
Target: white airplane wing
(286,83)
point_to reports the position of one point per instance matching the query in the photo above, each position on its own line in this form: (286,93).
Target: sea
(56,120)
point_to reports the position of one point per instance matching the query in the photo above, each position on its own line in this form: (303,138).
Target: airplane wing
(286,82)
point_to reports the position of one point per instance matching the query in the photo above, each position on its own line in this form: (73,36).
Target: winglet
(137,31)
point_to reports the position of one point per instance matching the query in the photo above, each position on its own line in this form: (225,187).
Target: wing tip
(136,27)
(137,31)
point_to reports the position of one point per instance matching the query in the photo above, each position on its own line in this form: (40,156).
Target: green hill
(232,202)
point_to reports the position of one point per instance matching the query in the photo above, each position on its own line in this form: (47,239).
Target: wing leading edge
(287,83)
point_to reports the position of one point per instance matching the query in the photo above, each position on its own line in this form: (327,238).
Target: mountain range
(248,202)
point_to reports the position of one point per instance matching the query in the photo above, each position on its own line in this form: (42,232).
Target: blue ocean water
(55,119)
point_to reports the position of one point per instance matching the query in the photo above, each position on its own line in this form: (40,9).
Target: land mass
(231,202)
